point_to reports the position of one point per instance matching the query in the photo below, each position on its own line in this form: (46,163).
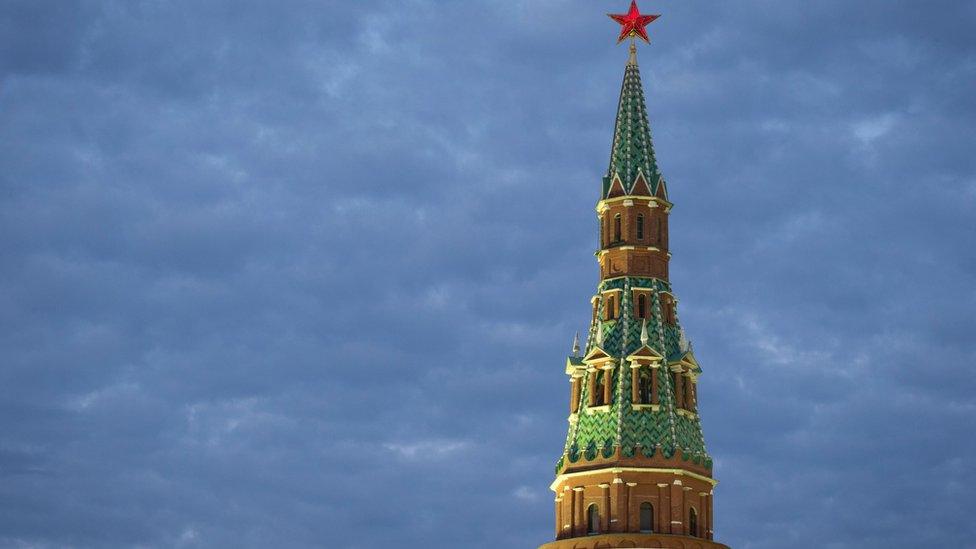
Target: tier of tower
(633,237)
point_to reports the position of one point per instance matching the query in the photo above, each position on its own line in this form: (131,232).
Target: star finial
(632,23)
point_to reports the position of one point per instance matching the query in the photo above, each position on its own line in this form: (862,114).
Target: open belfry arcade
(634,471)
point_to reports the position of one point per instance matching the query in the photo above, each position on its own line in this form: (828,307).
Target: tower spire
(632,149)
(634,470)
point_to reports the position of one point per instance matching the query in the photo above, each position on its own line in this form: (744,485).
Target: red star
(632,23)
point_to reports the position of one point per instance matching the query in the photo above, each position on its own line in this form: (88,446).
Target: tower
(634,470)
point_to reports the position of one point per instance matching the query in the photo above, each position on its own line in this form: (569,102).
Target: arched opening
(640,226)
(641,306)
(646,517)
(644,385)
(610,311)
(677,379)
(593,519)
(617,228)
(693,523)
(599,388)
(667,309)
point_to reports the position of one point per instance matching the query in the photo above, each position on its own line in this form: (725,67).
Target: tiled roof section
(622,427)
(632,152)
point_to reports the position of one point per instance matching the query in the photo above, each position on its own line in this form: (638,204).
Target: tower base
(634,541)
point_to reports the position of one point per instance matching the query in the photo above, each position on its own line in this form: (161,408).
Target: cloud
(272,269)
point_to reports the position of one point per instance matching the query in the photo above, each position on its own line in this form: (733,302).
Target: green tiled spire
(665,431)
(632,149)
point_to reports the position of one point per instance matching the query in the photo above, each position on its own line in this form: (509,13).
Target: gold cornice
(590,410)
(651,201)
(604,251)
(617,470)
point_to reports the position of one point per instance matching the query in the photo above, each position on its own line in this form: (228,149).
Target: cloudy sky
(305,273)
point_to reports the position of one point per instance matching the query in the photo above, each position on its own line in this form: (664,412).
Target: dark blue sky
(304,274)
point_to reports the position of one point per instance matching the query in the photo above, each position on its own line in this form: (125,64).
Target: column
(635,384)
(628,237)
(618,496)
(677,508)
(575,396)
(573,512)
(709,527)
(605,521)
(559,517)
(703,515)
(664,509)
(607,385)
(686,499)
(580,511)
(630,508)
(592,385)
(654,398)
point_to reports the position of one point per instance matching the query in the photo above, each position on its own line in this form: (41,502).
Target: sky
(305,273)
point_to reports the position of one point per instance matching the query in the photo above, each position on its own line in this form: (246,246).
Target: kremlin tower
(634,471)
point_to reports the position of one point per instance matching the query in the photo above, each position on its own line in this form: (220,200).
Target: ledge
(598,409)
(646,407)
(609,541)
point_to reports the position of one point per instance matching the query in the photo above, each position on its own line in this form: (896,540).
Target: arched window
(657,239)
(641,306)
(677,380)
(610,313)
(667,309)
(693,523)
(599,388)
(593,519)
(640,226)
(646,517)
(644,386)
(617,228)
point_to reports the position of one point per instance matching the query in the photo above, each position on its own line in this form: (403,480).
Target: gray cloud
(274,275)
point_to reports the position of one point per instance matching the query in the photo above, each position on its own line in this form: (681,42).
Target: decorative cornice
(616,470)
(651,201)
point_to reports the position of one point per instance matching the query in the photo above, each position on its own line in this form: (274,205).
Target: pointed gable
(596,355)
(687,361)
(662,189)
(645,355)
(616,187)
(640,187)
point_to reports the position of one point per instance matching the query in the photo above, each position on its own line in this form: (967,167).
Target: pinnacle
(632,150)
